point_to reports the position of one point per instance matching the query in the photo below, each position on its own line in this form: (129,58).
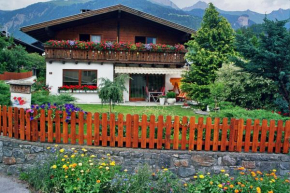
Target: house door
(139,82)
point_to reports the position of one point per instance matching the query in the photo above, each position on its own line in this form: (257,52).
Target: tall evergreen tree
(270,58)
(210,47)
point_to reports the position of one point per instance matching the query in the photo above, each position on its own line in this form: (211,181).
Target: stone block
(186,172)
(249,164)
(181,162)
(229,161)
(1,144)
(184,156)
(285,166)
(203,160)
(164,161)
(30,157)
(36,149)
(18,153)
(7,152)
(9,160)
(125,154)
(284,172)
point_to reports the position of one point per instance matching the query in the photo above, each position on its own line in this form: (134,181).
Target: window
(79,77)
(151,40)
(96,39)
(145,40)
(85,37)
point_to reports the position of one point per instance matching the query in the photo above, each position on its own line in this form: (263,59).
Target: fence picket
(73,128)
(42,125)
(49,127)
(279,136)
(191,133)
(168,132)
(22,124)
(248,135)
(120,130)
(176,133)
(263,135)
(81,128)
(1,120)
(16,123)
(28,134)
(4,128)
(10,122)
(89,128)
(224,134)
(128,130)
(240,135)
(143,131)
(184,132)
(207,134)
(104,129)
(286,137)
(152,131)
(199,134)
(57,128)
(255,136)
(216,134)
(96,129)
(232,135)
(65,128)
(159,132)
(135,131)
(35,134)
(271,136)
(112,130)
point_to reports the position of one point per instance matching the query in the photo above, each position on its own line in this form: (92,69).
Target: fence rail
(15,75)
(132,131)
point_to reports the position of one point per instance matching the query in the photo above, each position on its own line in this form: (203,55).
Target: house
(114,40)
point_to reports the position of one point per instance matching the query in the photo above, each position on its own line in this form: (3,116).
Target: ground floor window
(80,77)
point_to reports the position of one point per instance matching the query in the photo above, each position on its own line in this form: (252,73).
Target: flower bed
(78,89)
(72,170)
(114,46)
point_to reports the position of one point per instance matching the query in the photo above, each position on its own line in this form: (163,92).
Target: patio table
(154,95)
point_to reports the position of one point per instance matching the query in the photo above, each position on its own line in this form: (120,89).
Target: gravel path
(9,184)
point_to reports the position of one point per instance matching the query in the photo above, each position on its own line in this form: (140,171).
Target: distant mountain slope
(165,3)
(199,5)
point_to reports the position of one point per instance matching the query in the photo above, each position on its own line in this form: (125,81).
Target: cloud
(261,6)
(17,4)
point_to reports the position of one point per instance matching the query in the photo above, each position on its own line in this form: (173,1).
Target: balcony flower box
(78,89)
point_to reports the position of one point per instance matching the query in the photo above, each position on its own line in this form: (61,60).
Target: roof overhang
(144,70)
(39,31)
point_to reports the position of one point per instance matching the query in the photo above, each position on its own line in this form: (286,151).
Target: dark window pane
(151,40)
(139,39)
(85,37)
(70,77)
(156,82)
(88,77)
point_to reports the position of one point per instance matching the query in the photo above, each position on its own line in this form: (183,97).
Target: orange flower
(241,168)
(236,191)
(98,181)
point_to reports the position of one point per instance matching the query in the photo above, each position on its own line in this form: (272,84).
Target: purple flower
(31,118)
(148,47)
(72,43)
(109,45)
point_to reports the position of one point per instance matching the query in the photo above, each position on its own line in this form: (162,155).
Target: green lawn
(158,110)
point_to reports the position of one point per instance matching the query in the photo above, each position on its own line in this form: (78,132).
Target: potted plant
(171,98)
(162,99)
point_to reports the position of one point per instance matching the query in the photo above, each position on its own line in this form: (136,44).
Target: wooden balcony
(127,57)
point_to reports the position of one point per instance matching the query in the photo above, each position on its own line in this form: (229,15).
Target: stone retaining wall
(16,155)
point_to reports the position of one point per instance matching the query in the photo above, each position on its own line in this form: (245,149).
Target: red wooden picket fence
(132,131)
(15,75)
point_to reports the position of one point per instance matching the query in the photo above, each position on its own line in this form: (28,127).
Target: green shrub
(4,93)
(241,113)
(42,97)
(171,95)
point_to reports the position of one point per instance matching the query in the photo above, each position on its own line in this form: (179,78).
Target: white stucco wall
(55,79)
(168,85)
(126,93)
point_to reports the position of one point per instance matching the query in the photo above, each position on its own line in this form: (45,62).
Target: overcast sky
(260,6)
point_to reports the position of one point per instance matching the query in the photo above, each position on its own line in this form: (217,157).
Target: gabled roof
(32,29)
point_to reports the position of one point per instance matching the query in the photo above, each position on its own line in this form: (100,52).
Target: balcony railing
(147,57)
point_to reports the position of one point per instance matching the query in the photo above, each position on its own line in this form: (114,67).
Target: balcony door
(139,82)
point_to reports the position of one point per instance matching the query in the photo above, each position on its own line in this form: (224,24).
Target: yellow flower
(48,148)
(165,169)
(72,156)
(211,183)
(56,146)
(107,168)
(64,166)
(93,156)
(253,174)
(80,164)
(241,168)
(227,175)
(108,154)
(54,167)
(67,162)
(274,170)
(100,167)
(112,163)
(65,156)
(73,148)
(195,177)
(273,180)
(84,150)
(82,155)
(66,176)
(98,181)
(61,150)
(231,186)
(201,176)
(63,160)
(125,170)
(222,171)
(103,164)
(220,185)
(185,184)
(91,164)
(258,190)
(208,173)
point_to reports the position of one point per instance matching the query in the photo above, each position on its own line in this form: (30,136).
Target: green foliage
(112,91)
(171,94)
(245,89)
(42,97)
(72,171)
(241,113)
(4,94)
(211,46)
(271,57)
(218,92)
(145,180)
